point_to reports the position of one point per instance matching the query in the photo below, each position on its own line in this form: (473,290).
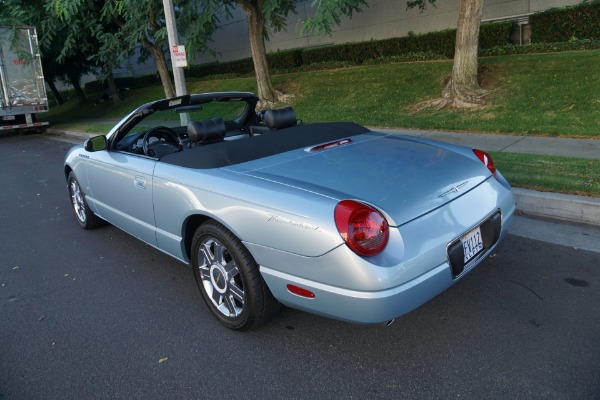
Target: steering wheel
(167,142)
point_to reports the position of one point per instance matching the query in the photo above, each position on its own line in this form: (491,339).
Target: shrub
(243,66)
(585,44)
(562,24)
(286,59)
(495,34)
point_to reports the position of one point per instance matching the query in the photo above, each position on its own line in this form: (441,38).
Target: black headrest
(205,132)
(280,118)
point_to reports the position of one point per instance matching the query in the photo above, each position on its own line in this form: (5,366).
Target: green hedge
(279,60)
(562,24)
(359,53)
(242,66)
(584,44)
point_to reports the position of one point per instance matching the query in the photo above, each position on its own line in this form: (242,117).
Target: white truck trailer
(22,88)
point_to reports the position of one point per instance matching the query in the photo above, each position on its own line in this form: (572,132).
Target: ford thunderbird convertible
(330,218)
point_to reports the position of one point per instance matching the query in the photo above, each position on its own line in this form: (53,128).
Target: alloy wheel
(221,278)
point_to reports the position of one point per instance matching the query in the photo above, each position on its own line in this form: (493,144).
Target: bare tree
(463,89)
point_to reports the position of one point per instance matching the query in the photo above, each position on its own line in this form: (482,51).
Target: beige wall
(381,19)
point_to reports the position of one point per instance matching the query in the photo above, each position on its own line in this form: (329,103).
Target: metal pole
(178,75)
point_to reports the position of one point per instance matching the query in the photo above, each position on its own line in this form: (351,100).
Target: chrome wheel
(78,201)
(221,278)
(85,217)
(229,279)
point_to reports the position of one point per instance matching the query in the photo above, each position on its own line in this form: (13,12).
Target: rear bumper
(361,307)
(367,307)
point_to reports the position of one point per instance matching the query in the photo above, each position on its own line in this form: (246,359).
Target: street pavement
(578,209)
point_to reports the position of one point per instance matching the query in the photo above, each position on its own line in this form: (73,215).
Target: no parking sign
(178,56)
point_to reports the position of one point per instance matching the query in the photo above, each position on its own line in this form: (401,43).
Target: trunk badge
(454,189)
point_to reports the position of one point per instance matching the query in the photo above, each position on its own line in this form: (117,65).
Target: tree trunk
(463,90)
(55,92)
(113,90)
(256,34)
(161,65)
(74,80)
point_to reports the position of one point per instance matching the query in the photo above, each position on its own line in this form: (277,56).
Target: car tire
(85,217)
(229,279)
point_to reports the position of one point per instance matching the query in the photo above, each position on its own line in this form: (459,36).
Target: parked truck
(22,88)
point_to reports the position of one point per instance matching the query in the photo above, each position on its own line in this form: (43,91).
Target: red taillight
(363,228)
(486,159)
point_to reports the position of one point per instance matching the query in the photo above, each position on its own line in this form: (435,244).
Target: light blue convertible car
(330,218)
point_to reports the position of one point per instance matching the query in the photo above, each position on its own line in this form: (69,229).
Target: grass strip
(550,173)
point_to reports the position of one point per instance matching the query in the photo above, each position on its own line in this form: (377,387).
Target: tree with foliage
(120,27)
(328,14)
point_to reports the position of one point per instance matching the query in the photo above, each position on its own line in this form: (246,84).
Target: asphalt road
(99,315)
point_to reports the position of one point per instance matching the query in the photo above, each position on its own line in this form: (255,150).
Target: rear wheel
(86,218)
(229,280)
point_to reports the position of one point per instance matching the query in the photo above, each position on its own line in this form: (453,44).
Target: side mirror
(97,143)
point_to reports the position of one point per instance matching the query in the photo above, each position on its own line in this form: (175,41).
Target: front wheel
(86,218)
(229,280)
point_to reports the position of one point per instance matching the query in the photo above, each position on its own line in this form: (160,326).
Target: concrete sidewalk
(580,209)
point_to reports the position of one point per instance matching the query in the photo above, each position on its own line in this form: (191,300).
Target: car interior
(161,132)
(214,130)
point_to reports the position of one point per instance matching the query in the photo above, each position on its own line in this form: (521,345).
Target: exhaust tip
(391,321)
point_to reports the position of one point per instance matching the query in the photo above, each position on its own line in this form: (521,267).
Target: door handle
(140,182)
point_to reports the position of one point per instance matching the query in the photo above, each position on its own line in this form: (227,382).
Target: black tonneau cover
(233,152)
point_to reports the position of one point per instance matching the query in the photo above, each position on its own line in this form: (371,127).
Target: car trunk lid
(404,178)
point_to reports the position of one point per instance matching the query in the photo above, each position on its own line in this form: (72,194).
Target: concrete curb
(572,208)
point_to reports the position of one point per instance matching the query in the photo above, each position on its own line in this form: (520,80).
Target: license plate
(8,118)
(472,244)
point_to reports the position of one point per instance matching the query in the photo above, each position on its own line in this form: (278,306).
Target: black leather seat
(280,118)
(206,132)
